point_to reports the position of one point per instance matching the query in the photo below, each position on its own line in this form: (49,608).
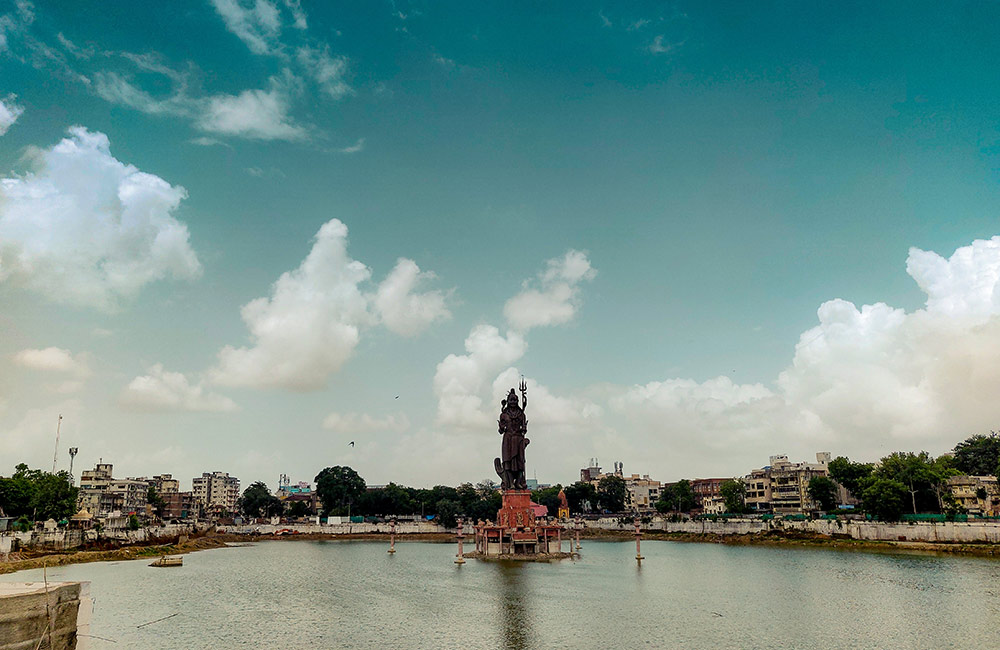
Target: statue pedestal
(516,512)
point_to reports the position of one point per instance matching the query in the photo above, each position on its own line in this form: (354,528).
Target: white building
(217,492)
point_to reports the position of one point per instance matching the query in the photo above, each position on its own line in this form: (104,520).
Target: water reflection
(515,616)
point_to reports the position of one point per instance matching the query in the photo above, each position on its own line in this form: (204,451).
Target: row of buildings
(101,494)
(782,487)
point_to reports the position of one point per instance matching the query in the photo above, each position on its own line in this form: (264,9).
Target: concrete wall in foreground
(33,614)
(946,531)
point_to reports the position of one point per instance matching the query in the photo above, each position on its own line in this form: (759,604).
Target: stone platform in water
(517,533)
(520,557)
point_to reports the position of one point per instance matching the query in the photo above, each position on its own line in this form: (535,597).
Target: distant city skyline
(241,236)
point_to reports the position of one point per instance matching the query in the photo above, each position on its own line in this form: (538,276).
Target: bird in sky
(352,443)
(397,396)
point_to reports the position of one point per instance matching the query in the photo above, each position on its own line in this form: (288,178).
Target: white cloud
(53,359)
(864,382)
(9,112)
(402,311)
(313,320)
(87,229)
(460,380)
(257,25)
(327,71)
(161,390)
(30,439)
(308,327)
(658,46)
(254,114)
(557,300)
(364,423)
(354,148)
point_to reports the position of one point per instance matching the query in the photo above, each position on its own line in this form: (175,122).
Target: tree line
(32,495)
(342,492)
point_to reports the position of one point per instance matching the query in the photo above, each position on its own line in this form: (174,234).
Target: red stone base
(516,511)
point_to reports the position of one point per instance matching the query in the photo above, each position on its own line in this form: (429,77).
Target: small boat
(168,561)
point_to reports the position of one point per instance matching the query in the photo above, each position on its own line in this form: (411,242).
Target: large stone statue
(513,426)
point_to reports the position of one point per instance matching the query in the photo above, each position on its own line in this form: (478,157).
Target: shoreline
(40,559)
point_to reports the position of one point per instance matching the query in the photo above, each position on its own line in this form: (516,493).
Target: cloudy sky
(240,234)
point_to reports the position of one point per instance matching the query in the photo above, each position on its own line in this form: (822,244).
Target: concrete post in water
(638,536)
(392,536)
(461,536)
(579,525)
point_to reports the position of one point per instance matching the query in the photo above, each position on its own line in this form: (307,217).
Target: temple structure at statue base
(518,534)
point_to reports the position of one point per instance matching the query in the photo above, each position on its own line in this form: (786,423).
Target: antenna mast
(55,452)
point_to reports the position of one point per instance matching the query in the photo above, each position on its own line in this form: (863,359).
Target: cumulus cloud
(313,320)
(53,360)
(365,423)
(864,382)
(161,390)
(9,112)
(401,309)
(310,324)
(461,379)
(557,300)
(87,229)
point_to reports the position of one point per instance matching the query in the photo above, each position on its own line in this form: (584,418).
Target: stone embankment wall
(402,528)
(63,539)
(951,532)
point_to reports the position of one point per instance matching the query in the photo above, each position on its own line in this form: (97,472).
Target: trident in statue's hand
(524,390)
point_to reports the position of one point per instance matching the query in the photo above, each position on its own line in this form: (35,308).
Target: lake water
(355,595)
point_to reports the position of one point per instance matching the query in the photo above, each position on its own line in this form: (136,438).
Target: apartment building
(782,487)
(216,492)
(101,494)
(979,495)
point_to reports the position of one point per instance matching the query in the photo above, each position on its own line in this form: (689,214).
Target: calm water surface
(355,595)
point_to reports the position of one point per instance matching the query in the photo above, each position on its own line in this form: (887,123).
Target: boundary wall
(972,532)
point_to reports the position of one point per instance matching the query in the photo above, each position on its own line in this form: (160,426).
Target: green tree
(919,473)
(611,493)
(823,491)
(298,509)
(978,455)
(548,497)
(155,500)
(54,496)
(676,497)
(338,487)
(447,512)
(17,492)
(257,501)
(581,496)
(885,498)
(133,522)
(734,495)
(851,475)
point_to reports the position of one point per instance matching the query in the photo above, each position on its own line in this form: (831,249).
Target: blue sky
(673,216)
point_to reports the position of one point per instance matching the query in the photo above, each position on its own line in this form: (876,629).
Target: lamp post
(579,525)
(638,536)
(461,529)
(392,536)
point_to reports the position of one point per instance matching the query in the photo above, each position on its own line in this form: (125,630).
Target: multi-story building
(179,505)
(101,494)
(164,484)
(216,492)
(589,474)
(705,491)
(978,495)
(643,492)
(782,487)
